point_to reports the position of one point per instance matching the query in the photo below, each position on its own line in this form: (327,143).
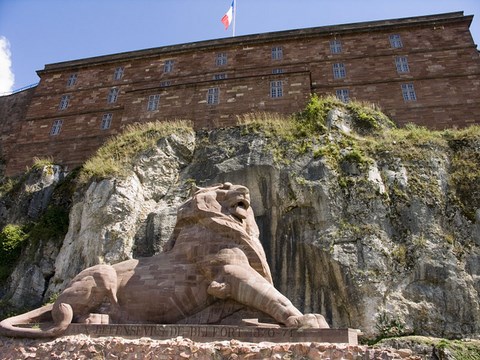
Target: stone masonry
(423,70)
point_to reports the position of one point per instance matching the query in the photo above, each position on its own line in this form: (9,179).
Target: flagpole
(234,16)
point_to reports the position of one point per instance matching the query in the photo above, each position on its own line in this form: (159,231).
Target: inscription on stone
(206,333)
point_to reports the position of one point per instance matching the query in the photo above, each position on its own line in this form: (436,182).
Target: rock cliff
(377,229)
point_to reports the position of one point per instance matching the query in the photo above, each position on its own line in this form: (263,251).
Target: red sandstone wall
(444,68)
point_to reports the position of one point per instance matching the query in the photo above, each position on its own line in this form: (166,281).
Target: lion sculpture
(214,255)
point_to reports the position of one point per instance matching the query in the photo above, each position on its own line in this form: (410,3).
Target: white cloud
(6,75)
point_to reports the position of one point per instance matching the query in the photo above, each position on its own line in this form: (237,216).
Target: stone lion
(214,255)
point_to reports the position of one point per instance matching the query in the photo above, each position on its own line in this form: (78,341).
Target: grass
(115,157)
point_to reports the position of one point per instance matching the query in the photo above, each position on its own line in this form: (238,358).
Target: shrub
(115,157)
(12,238)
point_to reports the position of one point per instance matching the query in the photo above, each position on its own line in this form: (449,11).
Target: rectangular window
(106,121)
(153,101)
(343,95)
(276,89)
(168,66)
(72,80)
(219,76)
(56,127)
(64,102)
(339,71)
(118,74)
(165,83)
(221,59)
(113,95)
(277,71)
(401,63)
(335,46)
(396,41)
(277,53)
(213,96)
(408,92)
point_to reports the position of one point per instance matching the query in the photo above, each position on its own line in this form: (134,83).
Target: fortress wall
(444,68)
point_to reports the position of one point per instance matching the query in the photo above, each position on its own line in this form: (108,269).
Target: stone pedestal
(208,333)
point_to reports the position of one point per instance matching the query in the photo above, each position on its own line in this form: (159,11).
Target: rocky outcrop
(374,234)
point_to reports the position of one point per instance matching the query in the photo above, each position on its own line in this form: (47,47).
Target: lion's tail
(62,316)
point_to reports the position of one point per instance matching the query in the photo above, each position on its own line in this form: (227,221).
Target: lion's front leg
(239,281)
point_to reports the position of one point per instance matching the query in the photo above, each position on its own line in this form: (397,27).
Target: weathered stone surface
(384,245)
(214,255)
(84,347)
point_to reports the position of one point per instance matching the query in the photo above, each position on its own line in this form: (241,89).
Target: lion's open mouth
(238,209)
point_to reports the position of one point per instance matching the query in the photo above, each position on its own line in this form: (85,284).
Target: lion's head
(223,212)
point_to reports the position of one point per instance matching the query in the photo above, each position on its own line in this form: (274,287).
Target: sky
(34,33)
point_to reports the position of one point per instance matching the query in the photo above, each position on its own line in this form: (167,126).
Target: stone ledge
(208,333)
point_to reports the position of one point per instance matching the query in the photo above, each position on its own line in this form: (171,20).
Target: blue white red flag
(227,18)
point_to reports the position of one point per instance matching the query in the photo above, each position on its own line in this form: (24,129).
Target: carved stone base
(208,333)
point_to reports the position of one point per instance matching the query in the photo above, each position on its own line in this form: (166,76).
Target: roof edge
(262,37)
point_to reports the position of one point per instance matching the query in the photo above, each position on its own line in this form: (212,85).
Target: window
(118,74)
(343,95)
(153,101)
(106,121)
(335,46)
(277,53)
(57,125)
(113,95)
(72,80)
(212,96)
(276,89)
(219,76)
(339,71)
(165,83)
(221,59)
(277,71)
(408,92)
(168,66)
(396,41)
(64,102)
(401,63)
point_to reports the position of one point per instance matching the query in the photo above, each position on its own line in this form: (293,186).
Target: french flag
(227,18)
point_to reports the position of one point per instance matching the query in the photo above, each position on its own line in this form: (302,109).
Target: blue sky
(38,32)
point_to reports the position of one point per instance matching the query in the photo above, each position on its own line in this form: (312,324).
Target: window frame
(168,66)
(395,41)
(408,92)
(335,46)
(343,95)
(118,73)
(153,102)
(72,80)
(276,89)
(339,71)
(56,127)
(277,53)
(221,59)
(220,76)
(401,63)
(64,102)
(106,121)
(213,96)
(113,95)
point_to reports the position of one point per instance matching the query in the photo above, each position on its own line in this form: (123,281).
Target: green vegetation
(12,238)
(441,348)
(389,326)
(40,163)
(115,157)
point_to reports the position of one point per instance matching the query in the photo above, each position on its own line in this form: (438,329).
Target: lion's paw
(307,321)
(219,290)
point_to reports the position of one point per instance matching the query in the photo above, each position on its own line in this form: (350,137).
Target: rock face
(385,241)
